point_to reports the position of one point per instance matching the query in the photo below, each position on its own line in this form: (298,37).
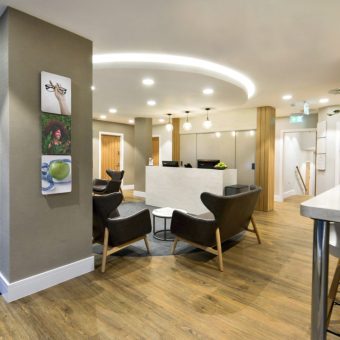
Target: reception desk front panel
(182,187)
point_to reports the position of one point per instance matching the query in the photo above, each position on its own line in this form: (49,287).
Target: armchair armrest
(125,229)
(195,229)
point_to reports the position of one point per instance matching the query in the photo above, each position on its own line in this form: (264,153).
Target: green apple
(59,170)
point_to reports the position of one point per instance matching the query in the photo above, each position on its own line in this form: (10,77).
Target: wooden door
(155,151)
(110,154)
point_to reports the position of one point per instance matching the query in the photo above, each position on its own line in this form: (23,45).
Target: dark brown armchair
(104,187)
(117,232)
(231,215)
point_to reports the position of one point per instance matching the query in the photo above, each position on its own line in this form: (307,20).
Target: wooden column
(265,157)
(175,140)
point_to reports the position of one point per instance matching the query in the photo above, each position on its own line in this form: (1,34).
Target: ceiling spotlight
(169,127)
(151,102)
(148,81)
(102,116)
(93,87)
(131,121)
(187,125)
(113,110)
(208,91)
(252,132)
(323,100)
(161,120)
(218,134)
(287,97)
(233,133)
(207,124)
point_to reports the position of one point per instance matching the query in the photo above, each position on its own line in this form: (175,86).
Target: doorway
(110,152)
(298,168)
(155,150)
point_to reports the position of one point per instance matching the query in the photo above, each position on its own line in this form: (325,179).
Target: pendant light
(207,124)
(187,125)
(169,127)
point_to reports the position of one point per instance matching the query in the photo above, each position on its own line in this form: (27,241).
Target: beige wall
(129,154)
(45,232)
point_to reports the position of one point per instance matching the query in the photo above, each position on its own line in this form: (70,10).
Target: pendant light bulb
(169,127)
(187,125)
(207,124)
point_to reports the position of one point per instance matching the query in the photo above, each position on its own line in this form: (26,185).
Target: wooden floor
(263,293)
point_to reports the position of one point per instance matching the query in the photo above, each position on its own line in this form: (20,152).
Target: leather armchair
(104,187)
(230,215)
(116,176)
(117,232)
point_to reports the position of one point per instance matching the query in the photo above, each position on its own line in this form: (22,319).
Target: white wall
(283,124)
(224,121)
(165,142)
(326,179)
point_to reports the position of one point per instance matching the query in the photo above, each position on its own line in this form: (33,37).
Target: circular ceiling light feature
(151,102)
(148,81)
(161,120)
(218,134)
(323,100)
(93,87)
(208,91)
(182,63)
(102,116)
(131,121)
(113,110)
(287,97)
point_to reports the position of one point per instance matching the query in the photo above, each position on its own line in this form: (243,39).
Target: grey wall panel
(47,231)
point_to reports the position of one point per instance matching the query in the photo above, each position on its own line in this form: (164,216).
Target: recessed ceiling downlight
(113,110)
(183,63)
(148,81)
(287,97)
(208,91)
(151,102)
(102,116)
(323,100)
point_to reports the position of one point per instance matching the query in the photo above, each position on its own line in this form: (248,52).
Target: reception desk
(182,187)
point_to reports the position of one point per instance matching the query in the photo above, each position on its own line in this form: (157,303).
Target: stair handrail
(303,182)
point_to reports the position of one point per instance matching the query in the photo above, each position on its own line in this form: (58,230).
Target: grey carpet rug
(157,247)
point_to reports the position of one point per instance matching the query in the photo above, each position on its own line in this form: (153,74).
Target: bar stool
(334,250)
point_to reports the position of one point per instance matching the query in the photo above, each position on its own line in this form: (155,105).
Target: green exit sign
(296,119)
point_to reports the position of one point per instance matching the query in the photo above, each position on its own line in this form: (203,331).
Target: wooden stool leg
(174,246)
(332,292)
(252,219)
(219,250)
(106,243)
(147,244)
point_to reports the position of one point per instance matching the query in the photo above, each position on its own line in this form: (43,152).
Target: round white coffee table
(164,213)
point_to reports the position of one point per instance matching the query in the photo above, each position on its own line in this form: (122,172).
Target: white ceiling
(283,46)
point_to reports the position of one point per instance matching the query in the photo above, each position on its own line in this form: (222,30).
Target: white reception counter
(182,187)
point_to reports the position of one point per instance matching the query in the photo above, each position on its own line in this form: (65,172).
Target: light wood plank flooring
(263,293)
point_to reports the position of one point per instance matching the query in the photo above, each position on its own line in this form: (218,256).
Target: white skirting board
(12,291)
(139,193)
(128,187)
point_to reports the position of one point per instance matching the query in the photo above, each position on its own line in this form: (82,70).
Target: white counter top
(325,206)
(182,187)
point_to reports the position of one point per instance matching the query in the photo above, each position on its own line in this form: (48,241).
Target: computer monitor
(173,164)
(207,163)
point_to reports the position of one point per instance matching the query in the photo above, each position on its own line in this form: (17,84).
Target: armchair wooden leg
(105,247)
(174,246)
(219,250)
(147,244)
(332,292)
(252,219)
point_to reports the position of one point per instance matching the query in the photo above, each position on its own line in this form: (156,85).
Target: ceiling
(282,46)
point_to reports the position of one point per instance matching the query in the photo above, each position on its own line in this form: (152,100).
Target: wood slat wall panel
(110,154)
(155,150)
(176,140)
(265,156)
